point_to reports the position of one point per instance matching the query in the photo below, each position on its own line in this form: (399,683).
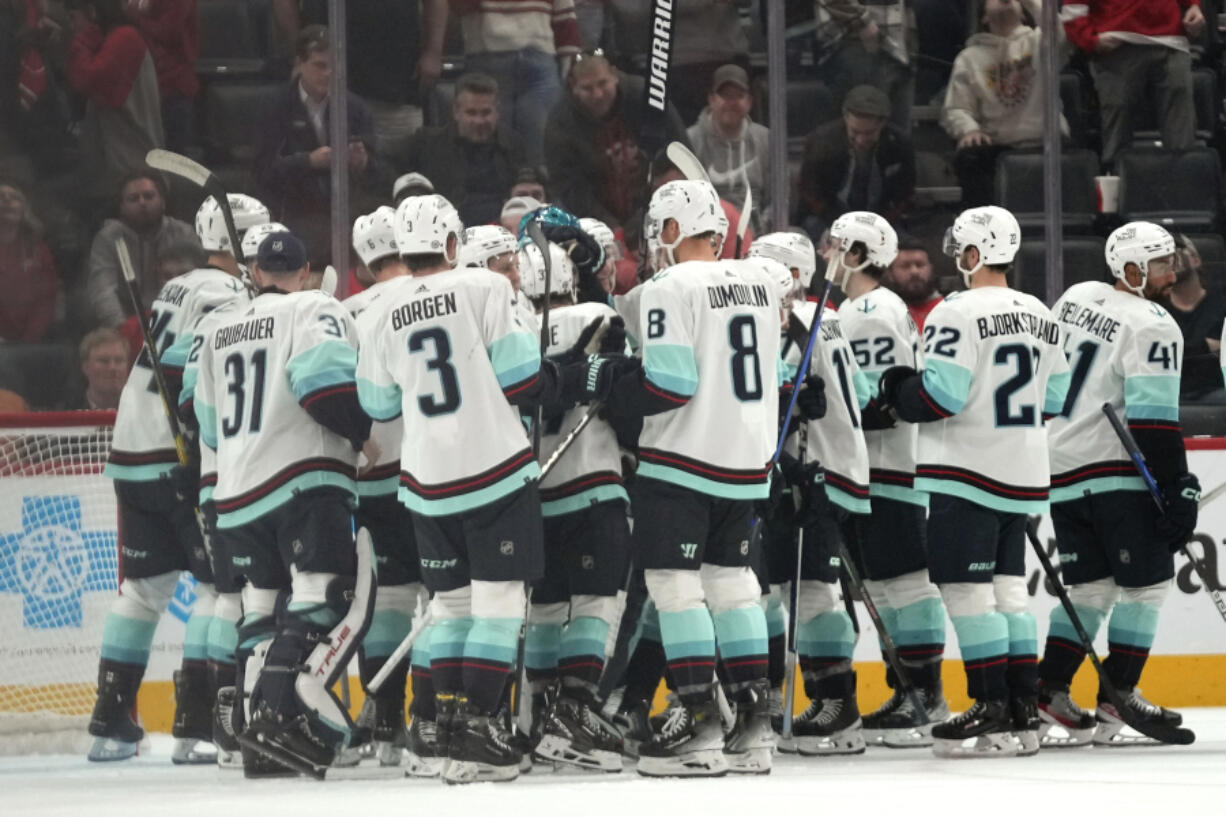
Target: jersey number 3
(440,364)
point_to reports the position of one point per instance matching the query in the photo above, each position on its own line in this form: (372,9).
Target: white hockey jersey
(836,440)
(711,345)
(258,370)
(882,334)
(450,350)
(382,477)
(590,470)
(994,365)
(1123,350)
(628,307)
(143,449)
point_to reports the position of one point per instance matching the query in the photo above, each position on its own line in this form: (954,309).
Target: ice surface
(1086,782)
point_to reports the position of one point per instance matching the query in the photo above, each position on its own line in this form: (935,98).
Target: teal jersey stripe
(138,473)
(1152,397)
(672,368)
(1060,626)
(741,631)
(827,635)
(584,500)
(981,636)
(493,639)
(757,490)
(284,493)
(387,629)
(972,494)
(127,640)
(786,371)
(176,354)
(921,622)
(847,502)
(196,637)
(448,636)
(541,645)
(688,633)
(901,493)
(380,402)
(222,640)
(864,392)
(948,383)
(419,656)
(475,499)
(1057,392)
(1134,624)
(387,486)
(585,635)
(330,363)
(1097,485)
(188,389)
(1023,636)
(206,418)
(515,357)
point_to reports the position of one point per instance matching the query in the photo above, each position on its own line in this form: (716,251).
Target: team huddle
(487,454)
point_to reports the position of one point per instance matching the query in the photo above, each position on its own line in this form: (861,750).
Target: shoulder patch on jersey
(866,307)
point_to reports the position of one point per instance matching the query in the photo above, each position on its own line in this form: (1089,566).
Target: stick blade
(179,165)
(125,261)
(686,162)
(328,283)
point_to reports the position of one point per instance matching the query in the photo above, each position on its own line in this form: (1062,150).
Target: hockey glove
(809,481)
(891,381)
(591,380)
(873,418)
(614,340)
(578,350)
(1177,524)
(185,479)
(811,400)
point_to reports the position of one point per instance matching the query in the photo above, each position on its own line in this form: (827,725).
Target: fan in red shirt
(913,279)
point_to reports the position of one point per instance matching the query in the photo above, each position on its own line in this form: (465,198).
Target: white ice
(1163,781)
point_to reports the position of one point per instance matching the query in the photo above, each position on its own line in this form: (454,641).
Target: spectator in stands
(394,54)
(869,43)
(171,30)
(1199,313)
(173,260)
(472,159)
(531,182)
(858,162)
(411,184)
(913,278)
(33,107)
(110,66)
(105,360)
(994,101)
(705,35)
(293,159)
(734,150)
(594,142)
(520,41)
(31,302)
(513,212)
(1138,50)
(147,231)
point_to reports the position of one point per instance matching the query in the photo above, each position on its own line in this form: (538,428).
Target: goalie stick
(1138,461)
(1156,730)
(199,175)
(790,657)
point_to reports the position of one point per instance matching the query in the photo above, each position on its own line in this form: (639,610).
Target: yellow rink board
(1171,680)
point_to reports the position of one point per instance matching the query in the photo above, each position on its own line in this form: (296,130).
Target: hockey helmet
(374,235)
(484,242)
(991,230)
(879,239)
(600,231)
(532,272)
(793,250)
(211,224)
(425,224)
(696,208)
(1138,242)
(256,234)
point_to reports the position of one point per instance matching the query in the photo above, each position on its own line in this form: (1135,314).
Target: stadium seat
(1177,189)
(232,112)
(1205,102)
(1083,261)
(231,44)
(1020,188)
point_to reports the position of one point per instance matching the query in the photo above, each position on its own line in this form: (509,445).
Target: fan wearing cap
(156,498)
(994,371)
(276,399)
(1115,547)
(857,162)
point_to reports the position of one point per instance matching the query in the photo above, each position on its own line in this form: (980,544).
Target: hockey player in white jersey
(710,354)
(890,545)
(1115,547)
(993,370)
(380,512)
(275,397)
(156,507)
(452,356)
(255,235)
(587,542)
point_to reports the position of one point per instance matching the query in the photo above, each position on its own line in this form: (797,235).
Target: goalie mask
(211,224)
(1139,243)
(485,242)
(532,272)
(425,225)
(793,250)
(874,232)
(695,207)
(993,231)
(374,235)
(256,234)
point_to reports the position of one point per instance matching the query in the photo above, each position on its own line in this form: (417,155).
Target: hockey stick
(327,283)
(888,647)
(424,620)
(742,225)
(684,160)
(803,369)
(570,438)
(151,349)
(202,177)
(790,657)
(1156,730)
(1138,461)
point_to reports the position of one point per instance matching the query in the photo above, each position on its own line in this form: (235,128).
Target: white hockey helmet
(600,231)
(374,235)
(211,224)
(532,272)
(695,206)
(256,234)
(486,241)
(424,225)
(879,239)
(793,250)
(991,230)
(779,276)
(1137,242)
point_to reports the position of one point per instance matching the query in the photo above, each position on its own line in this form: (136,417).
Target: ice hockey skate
(689,744)
(1113,730)
(1061,721)
(634,724)
(479,748)
(117,736)
(193,724)
(1025,712)
(229,750)
(830,726)
(984,730)
(423,758)
(898,725)
(751,741)
(573,734)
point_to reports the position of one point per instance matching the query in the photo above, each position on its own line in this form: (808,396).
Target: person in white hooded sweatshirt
(994,100)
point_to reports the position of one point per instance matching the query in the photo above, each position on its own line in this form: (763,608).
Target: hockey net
(58,575)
